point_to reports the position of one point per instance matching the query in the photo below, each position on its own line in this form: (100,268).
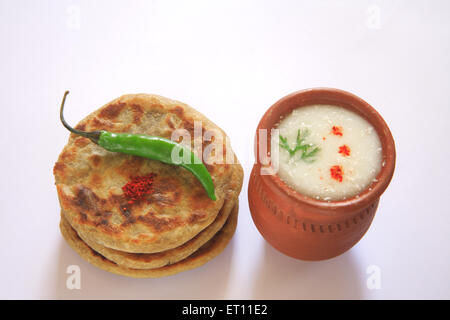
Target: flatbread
(161,259)
(89,179)
(207,252)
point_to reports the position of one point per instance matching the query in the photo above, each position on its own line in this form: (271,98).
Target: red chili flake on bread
(344,150)
(337,131)
(138,187)
(337,173)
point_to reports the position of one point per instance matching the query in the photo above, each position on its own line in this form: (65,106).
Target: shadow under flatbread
(337,278)
(206,281)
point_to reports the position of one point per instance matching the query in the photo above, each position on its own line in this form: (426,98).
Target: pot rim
(338,97)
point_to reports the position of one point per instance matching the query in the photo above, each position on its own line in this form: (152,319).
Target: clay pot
(303,227)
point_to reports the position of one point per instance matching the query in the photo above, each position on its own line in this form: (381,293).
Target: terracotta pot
(303,227)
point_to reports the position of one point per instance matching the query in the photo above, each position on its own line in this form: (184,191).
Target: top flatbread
(89,179)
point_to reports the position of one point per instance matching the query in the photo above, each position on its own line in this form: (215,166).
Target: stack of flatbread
(174,228)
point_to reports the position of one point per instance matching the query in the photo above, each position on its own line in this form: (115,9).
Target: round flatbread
(161,259)
(89,179)
(205,253)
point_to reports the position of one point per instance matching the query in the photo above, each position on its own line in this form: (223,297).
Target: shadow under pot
(323,158)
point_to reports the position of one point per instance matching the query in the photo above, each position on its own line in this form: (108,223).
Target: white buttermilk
(344,166)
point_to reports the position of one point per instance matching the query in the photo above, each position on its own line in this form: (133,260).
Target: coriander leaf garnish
(308,150)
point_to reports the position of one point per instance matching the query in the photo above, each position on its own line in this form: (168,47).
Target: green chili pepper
(152,147)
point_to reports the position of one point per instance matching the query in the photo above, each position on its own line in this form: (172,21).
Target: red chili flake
(344,150)
(323,138)
(337,131)
(138,187)
(337,173)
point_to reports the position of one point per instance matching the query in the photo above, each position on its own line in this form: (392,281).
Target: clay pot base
(313,241)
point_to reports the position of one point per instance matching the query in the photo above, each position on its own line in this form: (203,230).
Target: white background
(231,60)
